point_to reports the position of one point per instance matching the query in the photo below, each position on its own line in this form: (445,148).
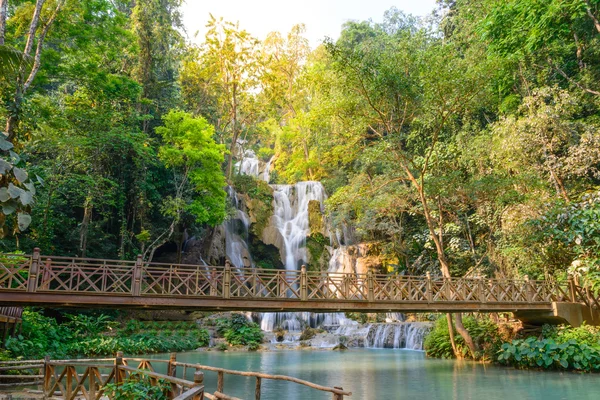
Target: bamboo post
(227,280)
(213,282)
(370,285)
(33,271)
(220,382)
(429,288)
(257,389)
(46,274)
(303,285)
(118,362)
(136,284)
(69,385)
(338,396)
(172,371)
(528,293)
(92,379)
(198,381)
(482,295)
(47,376)
(572,290)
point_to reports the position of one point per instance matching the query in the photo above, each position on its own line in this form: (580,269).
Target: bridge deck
(77,282)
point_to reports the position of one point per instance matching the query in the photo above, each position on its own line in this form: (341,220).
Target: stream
(388,374)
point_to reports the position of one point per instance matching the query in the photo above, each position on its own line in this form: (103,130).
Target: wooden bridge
(82,282)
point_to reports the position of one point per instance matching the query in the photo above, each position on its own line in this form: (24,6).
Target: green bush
(85,336)
(484,333)
(547,354)
(138,388)
(583,334)
(237,330)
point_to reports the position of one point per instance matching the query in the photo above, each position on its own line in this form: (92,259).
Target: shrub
(484,333)
(547,354)
(138,388)
(237,330)
(583,334)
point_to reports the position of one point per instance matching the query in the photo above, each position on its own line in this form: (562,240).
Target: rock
(216,247)
(340,346)
(315,217)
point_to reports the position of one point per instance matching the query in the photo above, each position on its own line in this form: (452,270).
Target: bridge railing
(50,274)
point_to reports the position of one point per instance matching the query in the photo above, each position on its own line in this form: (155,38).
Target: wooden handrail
(266,376)
(117,278)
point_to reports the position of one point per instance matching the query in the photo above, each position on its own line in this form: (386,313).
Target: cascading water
(291,220)
(236,234)
(403,335)
(290,217)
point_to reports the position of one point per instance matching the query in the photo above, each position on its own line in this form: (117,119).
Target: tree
(414,87)
(228,67)
(195,160)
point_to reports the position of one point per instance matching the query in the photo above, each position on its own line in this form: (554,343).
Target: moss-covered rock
(315,218)
(316,244)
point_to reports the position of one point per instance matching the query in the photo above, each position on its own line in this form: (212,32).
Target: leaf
(5,144)
(5,166)
(564,363)
(4,196)
(14,191)
(8,208)
(20,174)
(31,187)
(15,157)
(26,198)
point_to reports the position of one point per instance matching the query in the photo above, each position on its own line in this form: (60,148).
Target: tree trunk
(3,16)
(87,216)
(465,334)
(235,133)
(451,333)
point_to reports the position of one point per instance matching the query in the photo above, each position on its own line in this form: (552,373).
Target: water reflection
(389,374)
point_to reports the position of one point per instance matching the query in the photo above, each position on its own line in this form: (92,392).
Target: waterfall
(403,335)
(236,234)
(249,164)
(290,217)
(266,175)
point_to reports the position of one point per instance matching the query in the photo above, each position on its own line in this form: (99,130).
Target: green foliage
(138,387)
(237,330)
(483,331)
(86,336)
(584,334)
(548,354)
(191,151)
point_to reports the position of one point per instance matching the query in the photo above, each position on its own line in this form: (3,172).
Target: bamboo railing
(84,276)
(75,379)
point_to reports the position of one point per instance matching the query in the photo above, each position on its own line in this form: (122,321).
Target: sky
(321,17)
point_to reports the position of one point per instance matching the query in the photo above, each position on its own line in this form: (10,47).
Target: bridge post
(48,373)
(572,289)
(370,285)
(481,286)
(227,280)
(136,284)
(303,284)
(528,293)
(119,373)
(198,381)
(172,371)
(34,269)
(428,288)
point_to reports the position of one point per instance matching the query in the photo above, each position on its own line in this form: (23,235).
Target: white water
(403,335)
(236,234)
(291,219)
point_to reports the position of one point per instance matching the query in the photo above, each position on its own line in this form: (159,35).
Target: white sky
(321,17)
